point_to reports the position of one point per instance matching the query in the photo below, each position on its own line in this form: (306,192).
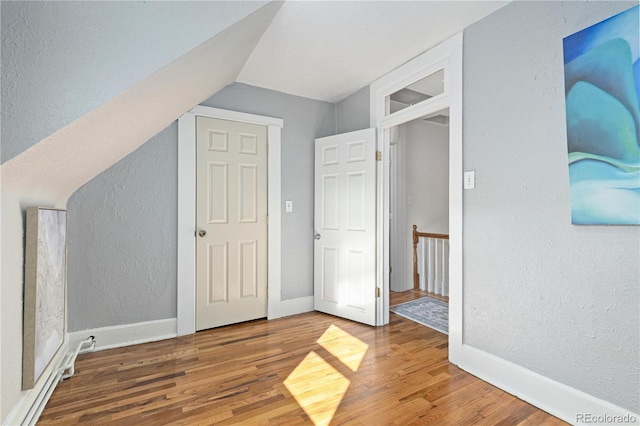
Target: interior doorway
(231,218)
(419,220)
(187,226)
(446,56)
(419,195)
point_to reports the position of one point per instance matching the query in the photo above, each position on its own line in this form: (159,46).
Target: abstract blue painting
(602,89)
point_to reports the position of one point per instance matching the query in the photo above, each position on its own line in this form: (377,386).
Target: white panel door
(345,226)
(231,249)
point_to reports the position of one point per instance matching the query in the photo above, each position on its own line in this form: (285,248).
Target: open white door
(345,226)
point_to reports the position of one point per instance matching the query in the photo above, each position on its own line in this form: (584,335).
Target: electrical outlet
(470,179)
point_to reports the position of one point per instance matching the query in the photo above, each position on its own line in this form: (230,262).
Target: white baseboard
(290,307)
(20,410)
(553,397)
(128,334)
(106,338)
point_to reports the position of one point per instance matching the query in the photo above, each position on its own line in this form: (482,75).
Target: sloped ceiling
(322,50)
(327,50)
(59,164)
(63,59)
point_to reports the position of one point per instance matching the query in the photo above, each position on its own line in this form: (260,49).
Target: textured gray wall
(352,113)
(67,58)
(122,224)
(427,181)
(123,237)
(427,177)
(304,121)
(561,300)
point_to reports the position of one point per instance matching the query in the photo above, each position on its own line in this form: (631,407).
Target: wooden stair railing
(416,235)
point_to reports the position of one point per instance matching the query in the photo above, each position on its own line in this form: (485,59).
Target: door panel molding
(186,291)
(240,272)
(345,223)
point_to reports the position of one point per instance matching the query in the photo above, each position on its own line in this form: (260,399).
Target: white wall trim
(456,171)
(274,205)
(29,398)
(553,397)
(382,220)
(186,306)
(447,55)
(186,265)
(237,116)
(128,334)
(402,266)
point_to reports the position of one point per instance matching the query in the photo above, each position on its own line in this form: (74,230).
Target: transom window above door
(406,97)
(419,91)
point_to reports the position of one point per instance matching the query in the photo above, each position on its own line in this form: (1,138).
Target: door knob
(317,236)
(202,232)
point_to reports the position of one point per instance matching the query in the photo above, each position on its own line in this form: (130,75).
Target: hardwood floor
(305,369)
(395,298)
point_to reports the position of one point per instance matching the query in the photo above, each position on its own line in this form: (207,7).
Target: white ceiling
(327,50)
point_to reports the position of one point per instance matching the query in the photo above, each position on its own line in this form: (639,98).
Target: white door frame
(186,304)
(447,55)
(399,261)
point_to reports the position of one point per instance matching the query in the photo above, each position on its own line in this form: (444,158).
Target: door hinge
(267,149)
(267,219)
(378,156)
(267,292)
(377,291)
(390,269)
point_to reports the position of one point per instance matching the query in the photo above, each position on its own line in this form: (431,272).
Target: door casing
(186,304)
(446,55)
(449,54)
(399,280)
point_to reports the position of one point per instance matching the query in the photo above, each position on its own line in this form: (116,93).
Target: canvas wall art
(44,292)
(602,89)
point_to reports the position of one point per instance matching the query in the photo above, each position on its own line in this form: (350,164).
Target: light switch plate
(470,179)
(288,206)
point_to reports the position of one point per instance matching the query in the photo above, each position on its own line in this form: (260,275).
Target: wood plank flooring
(305,369)
(396,298)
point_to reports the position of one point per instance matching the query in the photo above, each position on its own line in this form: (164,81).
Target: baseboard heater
(63,372)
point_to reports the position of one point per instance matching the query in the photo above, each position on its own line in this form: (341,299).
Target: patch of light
(348,349)
(317,387)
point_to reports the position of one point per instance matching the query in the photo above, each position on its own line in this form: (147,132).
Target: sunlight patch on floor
(348,349)
(317,387)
